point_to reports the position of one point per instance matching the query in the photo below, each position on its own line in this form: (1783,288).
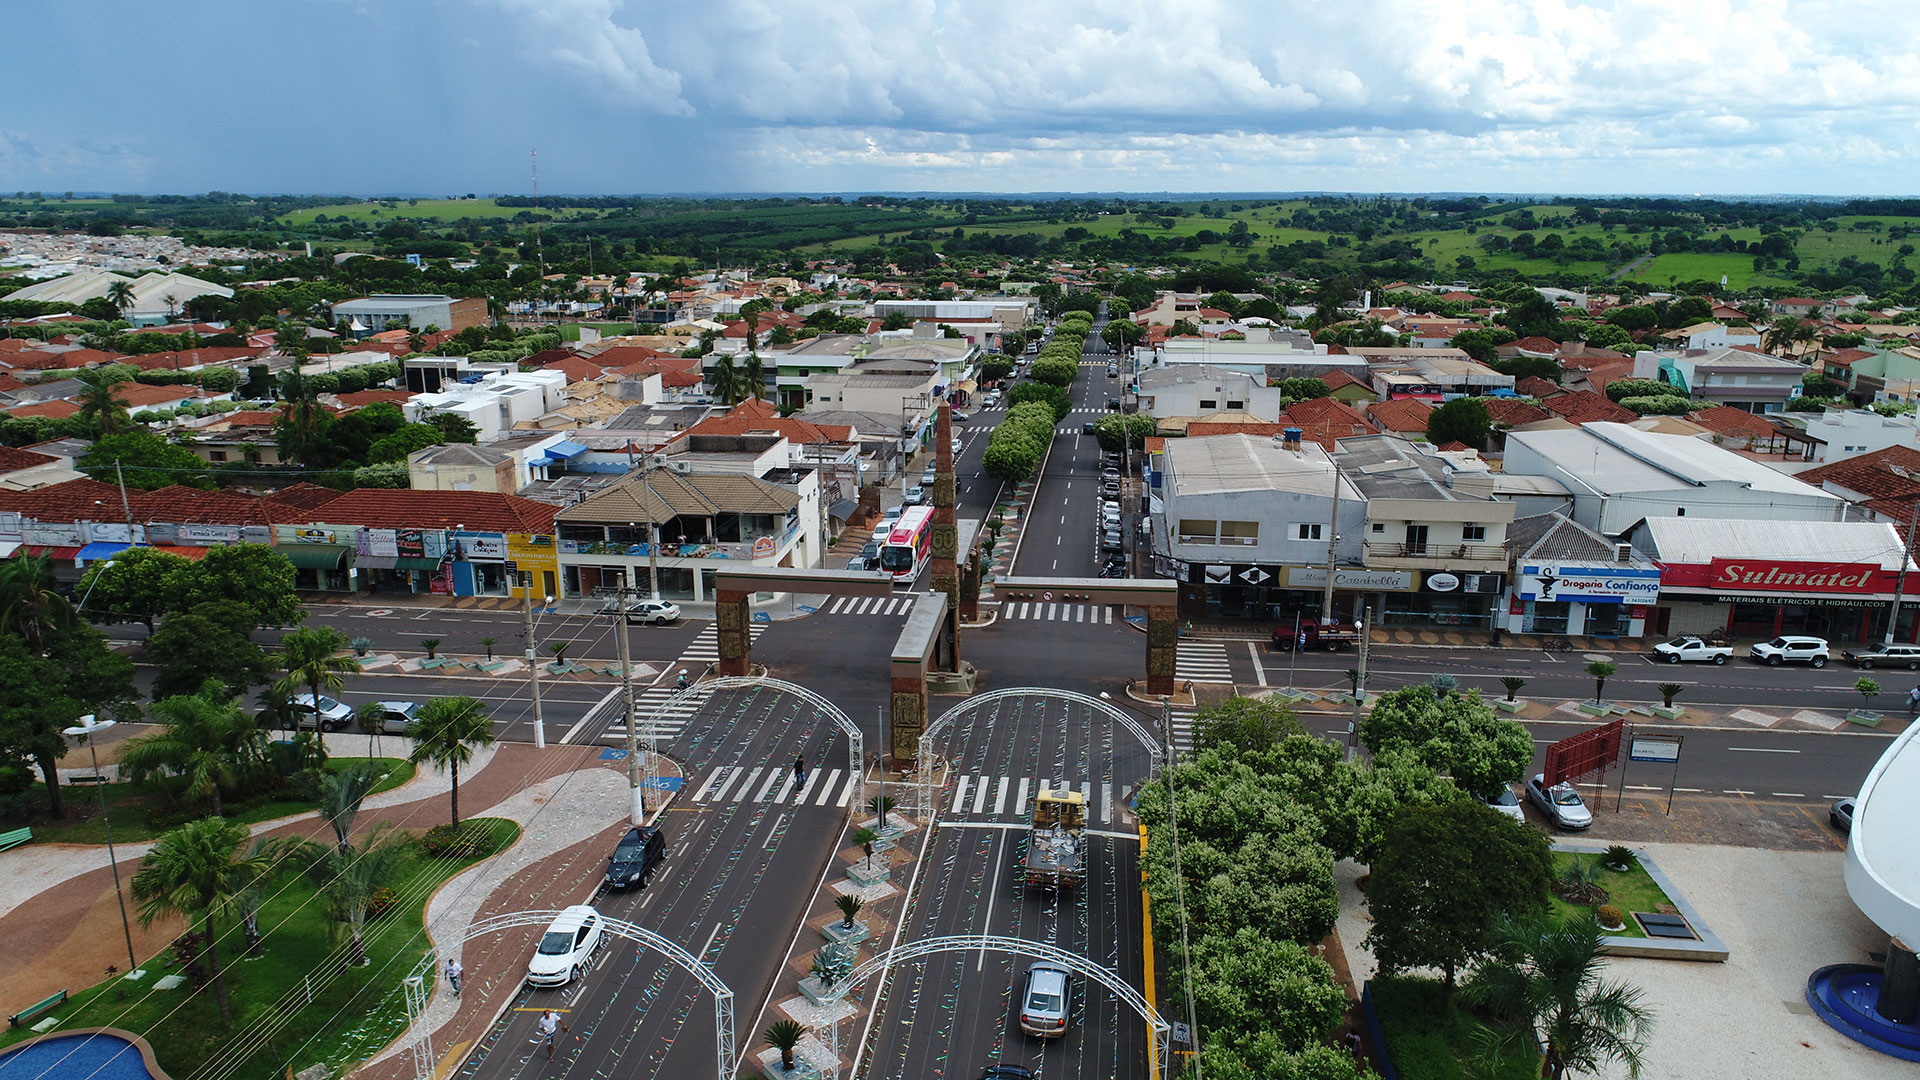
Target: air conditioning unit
(1623,553)
(681,467)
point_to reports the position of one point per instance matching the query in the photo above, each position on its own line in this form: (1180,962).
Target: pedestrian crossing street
(1011,797)
(1202,661)
(661,720)
(1056,612)
(870,605)
(740,784)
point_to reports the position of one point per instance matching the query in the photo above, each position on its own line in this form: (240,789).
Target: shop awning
(57,554)
(316,556)
(566,451)
(185,551)
(99,550)
(406,562)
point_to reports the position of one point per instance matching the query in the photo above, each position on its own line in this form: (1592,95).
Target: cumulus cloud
(583,39)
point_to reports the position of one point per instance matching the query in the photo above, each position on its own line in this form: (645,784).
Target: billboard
(1596,749)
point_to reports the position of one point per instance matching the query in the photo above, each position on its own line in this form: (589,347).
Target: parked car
(635,858)
(1866,656)
(325,713)
(1110,539)
(1506,802)
(642,612)
(1561,803)
(1841,815)
(1691,648)
(927,476)
(1110,488)
(956,446)
(566,947)
(1113,404)
(891,514)
(1046,1000)
(856,563)
(870,554)
(395,716)
(1787,647)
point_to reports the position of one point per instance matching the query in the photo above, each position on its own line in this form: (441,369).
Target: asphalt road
(745,852)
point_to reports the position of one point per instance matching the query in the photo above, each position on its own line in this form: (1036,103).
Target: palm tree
(31,603)
(1546,976)
(754,376)
(784,1036)
(371,717)
(100,406)
(120,295)
(312,657)
(349,877)
(724,381)
(446,732)
(338,795)
(205,739)
(197,872)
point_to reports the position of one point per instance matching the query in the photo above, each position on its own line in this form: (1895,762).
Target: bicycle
(1558,645)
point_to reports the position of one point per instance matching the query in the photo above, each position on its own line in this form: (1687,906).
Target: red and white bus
(905,552)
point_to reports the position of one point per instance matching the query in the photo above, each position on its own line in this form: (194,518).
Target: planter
(1669,714)
(840,934)
(1591,709)
(1864,717)
(1613,929)
(867,876)
(1517,705)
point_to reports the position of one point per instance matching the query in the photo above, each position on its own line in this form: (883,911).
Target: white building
(1261,353)
(1190,391)
(1619,476)
(496,403)
(1846,433)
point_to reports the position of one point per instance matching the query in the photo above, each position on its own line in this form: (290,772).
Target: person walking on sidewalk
(550,1023)
(1913,701)
(454,971)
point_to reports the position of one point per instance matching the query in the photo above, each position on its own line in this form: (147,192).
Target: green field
(426,210)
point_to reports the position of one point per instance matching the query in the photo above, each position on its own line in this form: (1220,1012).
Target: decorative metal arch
(1019,947)
(726,1054)
(1156,753)
(856,742)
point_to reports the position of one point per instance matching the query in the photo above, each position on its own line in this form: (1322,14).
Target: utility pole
(124,504)
(1899,582)
(1365,628)
(533,669)
(637,800)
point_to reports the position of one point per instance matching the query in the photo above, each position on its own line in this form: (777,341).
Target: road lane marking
(960,793)
(1259,672)
(1789,794)
(980,797)
(786,790)
(701,795)
(773,777)
(1020,804)
(1106,801)
(1111,834)
(826,788)
(703,948)
(745,786)
(773,835)
(1759,750)
(1000,800)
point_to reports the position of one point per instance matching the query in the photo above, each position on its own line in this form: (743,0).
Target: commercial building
(1275,354)
(1746,380)
(1175,395)
(496,402)
(416,311)
(1570,580)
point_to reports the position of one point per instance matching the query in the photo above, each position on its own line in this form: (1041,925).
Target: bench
(53,1001)
(15,838)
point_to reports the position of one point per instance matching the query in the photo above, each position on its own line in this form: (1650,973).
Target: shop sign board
(1782,577)
(1315,577)
(1446,581)
(483,547)
(1590,584)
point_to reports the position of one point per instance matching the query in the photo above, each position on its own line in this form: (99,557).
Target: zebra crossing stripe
(825,786)
(1000,800)
(773,777)
(980,797)
(960,792)
(701,795)
(1020,804)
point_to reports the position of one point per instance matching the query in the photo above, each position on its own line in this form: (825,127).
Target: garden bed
(1429,1039)
(1631,890)
(337,1021)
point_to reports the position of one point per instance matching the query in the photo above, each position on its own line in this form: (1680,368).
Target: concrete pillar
(970,587)
(1899,985)
(1163,646)
(732,622)
(908,718)
(945,572)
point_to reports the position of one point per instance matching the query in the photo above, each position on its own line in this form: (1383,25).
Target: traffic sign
(1046,596)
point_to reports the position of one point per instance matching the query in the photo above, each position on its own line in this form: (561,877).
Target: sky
(439,97)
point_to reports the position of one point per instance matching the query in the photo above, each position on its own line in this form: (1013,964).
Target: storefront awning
(406,562)
(185,551)
(57,554)
(316,556)
(566,451)
(99,550)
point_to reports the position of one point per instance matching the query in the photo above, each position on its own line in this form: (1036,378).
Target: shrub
(1610,917)
(1618,857)
(382,901)
(1579,884)
(467,840)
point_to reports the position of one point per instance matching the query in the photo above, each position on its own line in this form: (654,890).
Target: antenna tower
(539,250)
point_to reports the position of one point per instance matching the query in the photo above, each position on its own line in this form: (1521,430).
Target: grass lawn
(1630,891)
(571,331)
(293,1002)
(1429,1040)
(143,812)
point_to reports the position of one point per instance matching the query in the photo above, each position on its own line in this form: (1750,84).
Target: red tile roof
(187,505)
(1512,413)
(1544,345)
(1844,357)
(360,399)
(75,500)
(13,459)
(575,368)
(1337,378)
(1454,444)
(247,418)
(1208,426)
(141,395)
(1727,420)
(301,496)
(1586,407)
(1402,414)
(1326,421)
(56,410)
(486,511)
(191,358)
(1883,474)
(1537,387)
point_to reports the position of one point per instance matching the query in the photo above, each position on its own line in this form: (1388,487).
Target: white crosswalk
(1183,730)
(657,719)
(1057,612)
(1011,797)
(869,605)
(772,783)
(1203,661)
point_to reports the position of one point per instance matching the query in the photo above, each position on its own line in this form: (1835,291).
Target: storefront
(403,560)
(322,561)
(1582,601)
(533,565)
(1463,599)
(478,562)
(1754,599)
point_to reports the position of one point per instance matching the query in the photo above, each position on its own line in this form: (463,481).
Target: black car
(870,554)
(641,852)
(1086,429)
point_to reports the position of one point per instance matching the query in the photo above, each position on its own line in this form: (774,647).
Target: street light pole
(533,668)
(88,726)
(1360,685)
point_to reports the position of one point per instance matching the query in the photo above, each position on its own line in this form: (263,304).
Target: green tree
(1244,982)
(32,604)
(1545,973)
(723,381)
(349,877)
(455,428)
(1481,342)
(1463,420)
(196,872)
(338,793)
(313,659)
(784,1036)
(1669,404)
(253,579)
(205,740)
(1054,371)
(994,367)
(1458,734)
(446,733)
(46,688)
(1600,670)
(101,410)
(1244,724)
(208,641)
(397,446)
(120,295)
(1303,389)
(1122,334)
(1123,432)
(145,461)
(1619,389)
(133,586)
(753,374)
(1444,876)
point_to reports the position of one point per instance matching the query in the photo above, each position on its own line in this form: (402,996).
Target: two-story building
(496,403)
(1746,380)
(1175,395)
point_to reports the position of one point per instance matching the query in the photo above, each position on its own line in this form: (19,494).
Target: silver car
(1561,803)
(1046,1001)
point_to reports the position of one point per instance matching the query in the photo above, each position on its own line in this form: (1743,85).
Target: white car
(566,947)
(1794,647)
(395,716)
(653,611)
(1561,803)
(331,714)
(1506,802)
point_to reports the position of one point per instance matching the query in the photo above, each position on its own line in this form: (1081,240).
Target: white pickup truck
(1691,648)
